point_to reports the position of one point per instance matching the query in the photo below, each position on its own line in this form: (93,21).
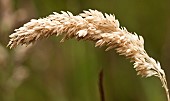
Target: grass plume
(103,29)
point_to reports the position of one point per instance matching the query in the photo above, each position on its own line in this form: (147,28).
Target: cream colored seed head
(92,25)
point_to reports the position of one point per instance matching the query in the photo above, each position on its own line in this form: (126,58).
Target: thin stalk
(101,88)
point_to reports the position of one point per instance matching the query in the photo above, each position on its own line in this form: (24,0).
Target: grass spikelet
(92,25)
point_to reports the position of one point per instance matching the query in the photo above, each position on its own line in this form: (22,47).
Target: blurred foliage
(53,71)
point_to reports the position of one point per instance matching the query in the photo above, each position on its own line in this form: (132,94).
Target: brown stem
(101,89)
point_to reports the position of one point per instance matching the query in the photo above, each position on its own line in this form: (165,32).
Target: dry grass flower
(92,25)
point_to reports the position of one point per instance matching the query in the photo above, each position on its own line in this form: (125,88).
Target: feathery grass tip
(103,29)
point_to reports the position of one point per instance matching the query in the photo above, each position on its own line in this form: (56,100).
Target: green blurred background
(69,71)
